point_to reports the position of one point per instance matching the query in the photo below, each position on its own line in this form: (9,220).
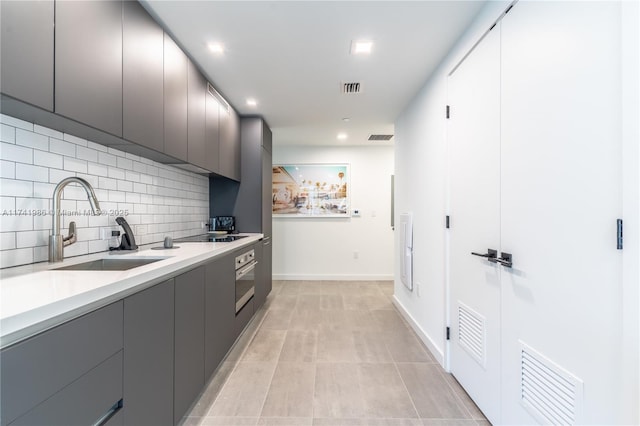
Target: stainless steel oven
(245,278)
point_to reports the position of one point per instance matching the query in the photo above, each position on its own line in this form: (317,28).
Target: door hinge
(446,222)
(448,333)
(448,111)
(619,234)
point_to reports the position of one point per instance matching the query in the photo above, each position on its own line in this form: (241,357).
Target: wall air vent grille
(471,332)
(221,101)
(380,137)
(351,88)
(551,394)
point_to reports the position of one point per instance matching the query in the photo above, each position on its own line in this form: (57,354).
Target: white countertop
(34,298)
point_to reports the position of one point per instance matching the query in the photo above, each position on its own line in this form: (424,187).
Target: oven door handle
(245,269)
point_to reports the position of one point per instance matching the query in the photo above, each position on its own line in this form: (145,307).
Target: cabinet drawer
(35,369)
(83,402)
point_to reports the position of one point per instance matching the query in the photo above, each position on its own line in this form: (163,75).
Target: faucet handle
(71,238)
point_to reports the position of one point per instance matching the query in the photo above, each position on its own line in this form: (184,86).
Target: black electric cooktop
(210,238)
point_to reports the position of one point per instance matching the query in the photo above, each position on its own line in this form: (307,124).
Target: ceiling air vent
(351,88)
(221,101)
(380,137)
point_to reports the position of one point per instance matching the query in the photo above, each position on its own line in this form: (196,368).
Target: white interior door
(474,155)
(561,196)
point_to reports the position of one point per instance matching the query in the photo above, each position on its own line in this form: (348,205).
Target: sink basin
(109,264)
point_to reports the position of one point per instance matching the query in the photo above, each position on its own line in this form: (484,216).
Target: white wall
(156,200)
(323,249)
(421,182)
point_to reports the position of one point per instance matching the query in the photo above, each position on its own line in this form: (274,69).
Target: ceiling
(292,56)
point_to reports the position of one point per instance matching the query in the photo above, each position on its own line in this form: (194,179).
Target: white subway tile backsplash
(7,169)
(47,159)
(19,154)
(15,122)
(47,131)
(97,169)
(9,258)
(75,140)
(116,173)
(96,146)
(75,165)
(34,173)
(16,188)
(32,239)
(7,240)
(107,159)
(88,154)
(124,163)
(132,176)
(7,134)
(61,147)
(107,183)
(124,185)
(156,199)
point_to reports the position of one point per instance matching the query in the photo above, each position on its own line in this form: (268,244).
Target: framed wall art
(310,190)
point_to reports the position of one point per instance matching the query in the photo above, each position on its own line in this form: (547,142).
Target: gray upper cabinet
(142,77)
(229,144)
(212,135)
(88,63)
(189,340)
(148,356)
(175,100)
(267,193)
(196,114)
(26,48)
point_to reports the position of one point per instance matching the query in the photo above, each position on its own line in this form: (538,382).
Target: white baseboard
(290,277)
(433,348)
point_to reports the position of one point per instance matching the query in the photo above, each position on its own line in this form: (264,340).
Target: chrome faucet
(57,241)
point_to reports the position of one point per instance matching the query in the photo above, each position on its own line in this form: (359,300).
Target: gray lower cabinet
(93,397)
(53,364)
(189,340)
(148,356)
(219,311)
(229,144)
(142,77)
(196,113)
(88,63)
(267,265)
(26,49)
(175,100)
(212,135)
(260,295)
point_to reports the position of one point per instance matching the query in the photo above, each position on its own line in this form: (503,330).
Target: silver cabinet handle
(112,412)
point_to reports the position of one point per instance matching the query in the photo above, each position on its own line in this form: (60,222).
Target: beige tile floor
(331,353)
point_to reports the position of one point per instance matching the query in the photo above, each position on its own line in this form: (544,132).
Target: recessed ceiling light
(252,102)
(216,48)
(361,47)
(346,119)
(342,136)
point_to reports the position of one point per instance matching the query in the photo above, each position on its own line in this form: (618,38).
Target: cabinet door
(230,144)
(86,401)
(175,100)
(212,136)
(196,113)
(35,369)
(26,38)
(267,193)
(189,340)
(148,356)
(142,77)
(88,63)
(219,311)
(267,137)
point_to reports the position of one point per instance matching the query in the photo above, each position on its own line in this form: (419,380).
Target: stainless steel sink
(109,264)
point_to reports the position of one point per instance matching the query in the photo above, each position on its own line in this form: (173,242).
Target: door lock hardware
(490,255)
(505,259)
